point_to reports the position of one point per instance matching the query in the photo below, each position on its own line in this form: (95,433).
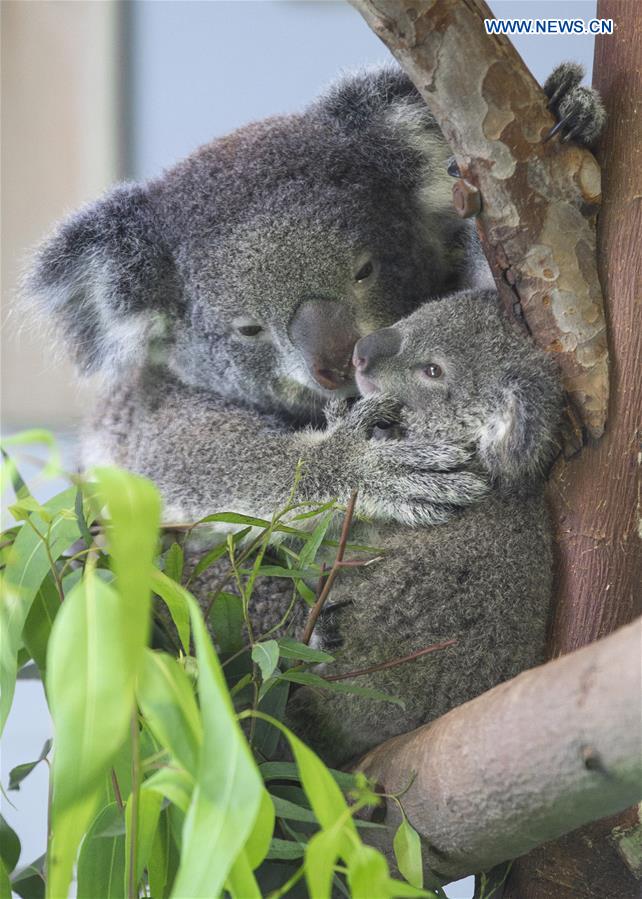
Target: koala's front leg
(414,480)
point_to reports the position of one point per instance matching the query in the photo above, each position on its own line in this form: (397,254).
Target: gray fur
(480,571)
(153,286)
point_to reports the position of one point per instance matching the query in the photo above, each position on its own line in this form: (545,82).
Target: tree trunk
(595,495)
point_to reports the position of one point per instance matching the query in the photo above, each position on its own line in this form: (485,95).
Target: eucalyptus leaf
(228,791)
(101,863)
(174,560)
(285,849)
(315,680)
(18,774)
(173,595)
(90,690)
(173,783)
(9,846)
(167,701)
(27,567)
(29,882)
(407,848)
(226,618)
(266,656)
(149,808)
(291,649)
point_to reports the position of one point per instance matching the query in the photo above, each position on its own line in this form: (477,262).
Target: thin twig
(392,663)
(315,611)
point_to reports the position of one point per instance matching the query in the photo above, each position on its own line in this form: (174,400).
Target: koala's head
(465,371)
(253,266)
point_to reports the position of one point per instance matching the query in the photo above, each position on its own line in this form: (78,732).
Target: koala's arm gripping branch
(538,197)
(534,758)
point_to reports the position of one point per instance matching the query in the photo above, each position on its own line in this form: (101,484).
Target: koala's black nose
(378,345)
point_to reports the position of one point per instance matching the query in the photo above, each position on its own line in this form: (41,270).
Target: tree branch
(532,759)
(538,198)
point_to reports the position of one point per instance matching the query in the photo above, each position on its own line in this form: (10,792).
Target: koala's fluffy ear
(107,280)
(519,440)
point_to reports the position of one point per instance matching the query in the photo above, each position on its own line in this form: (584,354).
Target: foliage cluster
(165,775)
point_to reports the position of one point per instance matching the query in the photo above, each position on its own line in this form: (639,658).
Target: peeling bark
(539,199)
(532,759)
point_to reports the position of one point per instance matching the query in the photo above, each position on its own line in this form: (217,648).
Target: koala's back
(483,579)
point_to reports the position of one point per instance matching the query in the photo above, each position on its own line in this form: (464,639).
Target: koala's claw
(579,109)
(374,412)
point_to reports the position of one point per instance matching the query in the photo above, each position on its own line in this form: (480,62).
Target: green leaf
(90,689)
(285,849)
(321,854)
(226,619)
(266,656)
(173,595)
(25,438)
(174,560)
(290,771)
(163,861)
(149,808)
(101,864)
(9,846)
(407,849)
(167,701)
(291,649)
(368,875)
(311,548)
(134,510)
(258,842)
(314,680)
(241,882)
(18,774)
(29,882)
(39,621)
(173,783)
(291,811)
(316,511)
(228,788)
(279,571)
(26,569)
(266,737)
(5,883)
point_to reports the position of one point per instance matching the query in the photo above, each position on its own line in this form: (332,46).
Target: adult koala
(222,300)
(484,401)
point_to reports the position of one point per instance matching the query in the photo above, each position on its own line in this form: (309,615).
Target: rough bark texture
(532,759)
(596,494)
(539,197)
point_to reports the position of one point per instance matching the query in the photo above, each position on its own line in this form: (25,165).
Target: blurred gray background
(94,91)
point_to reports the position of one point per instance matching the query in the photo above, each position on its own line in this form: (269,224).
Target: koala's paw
(578,109)
(424,483)
(370,416)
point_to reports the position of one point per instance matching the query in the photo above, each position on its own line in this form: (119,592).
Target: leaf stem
(132,886)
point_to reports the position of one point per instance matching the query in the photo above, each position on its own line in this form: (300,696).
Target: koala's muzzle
(378,345)
(325,332)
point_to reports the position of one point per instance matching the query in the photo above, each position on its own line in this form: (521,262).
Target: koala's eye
(364,272)
(249,330)
(432,370)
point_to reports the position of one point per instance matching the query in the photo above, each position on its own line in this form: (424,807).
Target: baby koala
(485,403)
